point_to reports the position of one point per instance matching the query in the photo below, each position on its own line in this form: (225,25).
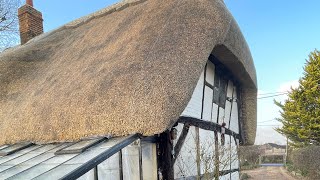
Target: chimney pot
(29,2)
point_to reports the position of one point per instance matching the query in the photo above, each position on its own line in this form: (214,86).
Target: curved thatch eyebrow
(120,73)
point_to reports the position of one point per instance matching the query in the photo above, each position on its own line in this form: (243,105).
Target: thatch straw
(128,70)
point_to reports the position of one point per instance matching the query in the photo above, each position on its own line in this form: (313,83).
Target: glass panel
(26,165)
(109,169)
(59,159)
(109,174)
(29,155)
(32,168)
(17,154)
(58,172)
(4,167)
(111,163)
(45,148)
(59,147)
(80,146)
(130,162)
(13,148)
(111,142)
(33,172)
(22,158)
(3,146)
(89,176)
(149,161)
(86,156)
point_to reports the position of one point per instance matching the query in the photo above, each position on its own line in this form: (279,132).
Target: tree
(9,33)
(300,114)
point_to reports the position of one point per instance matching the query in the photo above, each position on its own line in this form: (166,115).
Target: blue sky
(280,35)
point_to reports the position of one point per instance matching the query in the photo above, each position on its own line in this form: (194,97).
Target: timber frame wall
(168,152)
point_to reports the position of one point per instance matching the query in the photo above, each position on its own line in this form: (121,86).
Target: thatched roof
(129,68)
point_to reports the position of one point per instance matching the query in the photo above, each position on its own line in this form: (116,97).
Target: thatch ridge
(129,71)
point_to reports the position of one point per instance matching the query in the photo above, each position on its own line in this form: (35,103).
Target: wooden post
(198,153)
(216,156)
(165,159)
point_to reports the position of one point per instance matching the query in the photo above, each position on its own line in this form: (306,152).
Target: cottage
(143,89)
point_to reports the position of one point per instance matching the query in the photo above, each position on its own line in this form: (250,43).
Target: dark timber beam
(180,142)
(165,159)
(216,156)
(206,125)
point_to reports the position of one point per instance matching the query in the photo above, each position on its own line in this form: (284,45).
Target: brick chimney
(30,22)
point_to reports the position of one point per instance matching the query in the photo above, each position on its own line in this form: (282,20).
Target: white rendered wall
(201,106)
(207,104)
(194,106)
(214,114)
(210,73)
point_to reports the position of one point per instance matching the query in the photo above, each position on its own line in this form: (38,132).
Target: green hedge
(307,160)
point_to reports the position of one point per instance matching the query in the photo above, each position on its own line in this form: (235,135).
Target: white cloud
(286,87)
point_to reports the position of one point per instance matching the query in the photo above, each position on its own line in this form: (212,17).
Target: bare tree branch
(9,25)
